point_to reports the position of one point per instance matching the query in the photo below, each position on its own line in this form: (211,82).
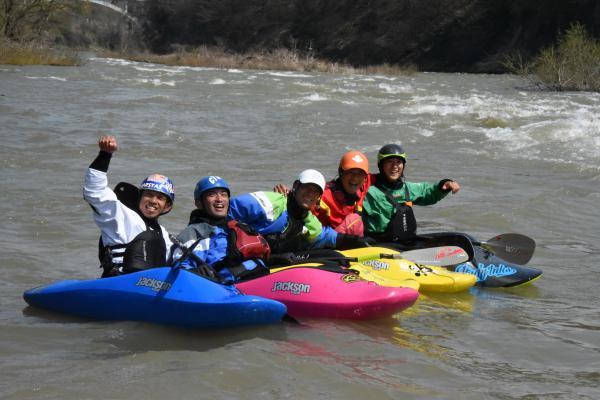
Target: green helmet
(390,150)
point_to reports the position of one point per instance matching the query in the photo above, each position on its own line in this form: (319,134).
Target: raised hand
(281,188)
(108,143)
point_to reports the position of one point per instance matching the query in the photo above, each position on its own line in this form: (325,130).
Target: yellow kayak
(363,273)
(430,278)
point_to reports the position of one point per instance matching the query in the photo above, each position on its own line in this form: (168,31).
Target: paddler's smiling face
(307,195)
(216,202)
(153,204)
(353,179)
(393,168)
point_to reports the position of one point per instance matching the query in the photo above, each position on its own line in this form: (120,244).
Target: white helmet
(312,176)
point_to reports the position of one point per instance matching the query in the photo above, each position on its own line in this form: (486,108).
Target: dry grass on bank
(279,59)
(31,53)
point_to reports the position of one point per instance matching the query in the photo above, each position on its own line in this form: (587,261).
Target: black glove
(282,259)
(345,242)
(202,268)
(205,270)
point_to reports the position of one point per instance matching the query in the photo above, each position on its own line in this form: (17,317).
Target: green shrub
(573,64)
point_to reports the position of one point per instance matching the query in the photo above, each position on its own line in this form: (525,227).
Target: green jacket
(378,211)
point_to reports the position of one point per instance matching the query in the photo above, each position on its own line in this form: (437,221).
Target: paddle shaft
(439,256)
(442,256)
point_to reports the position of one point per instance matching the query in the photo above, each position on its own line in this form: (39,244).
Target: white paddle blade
(442,256)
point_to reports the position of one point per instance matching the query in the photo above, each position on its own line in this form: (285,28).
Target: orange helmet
(354,159)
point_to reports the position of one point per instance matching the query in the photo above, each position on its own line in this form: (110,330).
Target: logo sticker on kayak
(483,271)
(154,284)
(377,265)
(351,278)
(292,287)
(449,252)
(419,269)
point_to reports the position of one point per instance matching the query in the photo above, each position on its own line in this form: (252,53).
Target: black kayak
(490,269)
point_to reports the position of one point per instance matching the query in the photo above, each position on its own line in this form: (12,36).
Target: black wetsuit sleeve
(441,184)
(101,162)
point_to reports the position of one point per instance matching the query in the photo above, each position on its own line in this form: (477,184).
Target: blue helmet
(161,184)
(208,183)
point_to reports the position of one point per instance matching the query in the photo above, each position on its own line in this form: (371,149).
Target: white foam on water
(561,127)
(156,82)
(395,89)
(306,84)
(235,71)
(287,74)
(114,61)
(200,69)
(150,67)
(344,91)
(385,78)
(371,123)
(315,97)
(514,139)
(565,135)
(579,136)
(435,109)
(52,78)
(425,132)
(217,81)
(171,71)
(306,100)
(244,82)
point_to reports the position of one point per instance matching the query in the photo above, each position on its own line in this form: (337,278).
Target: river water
(528,162)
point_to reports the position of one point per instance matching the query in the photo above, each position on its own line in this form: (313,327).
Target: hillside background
(434,35)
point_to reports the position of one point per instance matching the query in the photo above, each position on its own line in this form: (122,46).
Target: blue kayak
(160,295)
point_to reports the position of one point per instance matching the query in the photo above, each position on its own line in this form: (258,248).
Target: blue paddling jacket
(268,213)
(211,240)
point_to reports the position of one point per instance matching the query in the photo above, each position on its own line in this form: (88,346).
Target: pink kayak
(312,292)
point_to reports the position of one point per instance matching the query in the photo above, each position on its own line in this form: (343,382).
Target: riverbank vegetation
(573,63)
(277,59)
(35,53)
(28,30)
(32,19)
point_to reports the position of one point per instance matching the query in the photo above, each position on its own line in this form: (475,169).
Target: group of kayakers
(238,238)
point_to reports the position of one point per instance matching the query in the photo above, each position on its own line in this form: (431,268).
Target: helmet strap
(295,186)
